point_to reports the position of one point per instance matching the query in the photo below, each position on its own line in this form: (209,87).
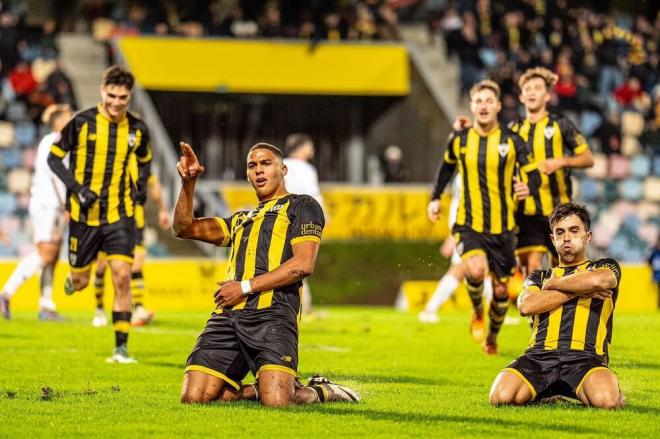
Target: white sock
(443,292)
(488,289)
(26,267)
(46,282)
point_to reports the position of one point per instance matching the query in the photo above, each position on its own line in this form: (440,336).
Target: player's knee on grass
(276,388)
(508,389)
(601,390)
(199,388)
(605,399)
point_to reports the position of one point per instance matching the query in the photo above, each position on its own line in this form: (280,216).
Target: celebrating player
(255,325)
(100,142)
(486,156)
(573,306)
(48,219)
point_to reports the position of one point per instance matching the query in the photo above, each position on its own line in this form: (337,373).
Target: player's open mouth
(261,181)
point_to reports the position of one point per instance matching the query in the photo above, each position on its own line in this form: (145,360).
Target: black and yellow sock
(121,321)
(476,291)
(99,287)
(137,289)
(321,391)
(497,312)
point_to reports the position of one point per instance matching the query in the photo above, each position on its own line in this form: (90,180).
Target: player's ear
(285,170)
(588,235)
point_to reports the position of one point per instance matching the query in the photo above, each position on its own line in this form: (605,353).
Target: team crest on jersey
(503,149)
(132,138)
(276,207)
(549,132)
(73,258)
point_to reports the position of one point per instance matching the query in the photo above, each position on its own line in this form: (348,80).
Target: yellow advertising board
(356,212)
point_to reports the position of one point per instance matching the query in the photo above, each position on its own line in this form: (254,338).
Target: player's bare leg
(476,268)
(601,390)
(497,312)
(141,316)
(199,387)
(509,389)
(100,319)
(530,261)
(48,251)
(121,309)
(446,287)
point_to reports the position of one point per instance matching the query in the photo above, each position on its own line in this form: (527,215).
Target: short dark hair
(295,141)
(567,209)
(268,146)
(117,75)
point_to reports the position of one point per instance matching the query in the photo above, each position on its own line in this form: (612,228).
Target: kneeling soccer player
(572,306)
(255,325)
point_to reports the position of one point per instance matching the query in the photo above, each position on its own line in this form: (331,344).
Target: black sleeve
(447,168)
(610,264)
(64,142)
(143,155)
(572,137)
(525,163)
(534,281)
(307,220)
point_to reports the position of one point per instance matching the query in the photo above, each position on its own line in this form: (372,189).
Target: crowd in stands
(309,20)
(608,84)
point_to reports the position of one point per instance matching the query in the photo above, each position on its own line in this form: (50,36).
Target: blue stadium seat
(26,134)
(7,204)
(632,189)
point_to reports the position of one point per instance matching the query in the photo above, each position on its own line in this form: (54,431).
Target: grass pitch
(415,380)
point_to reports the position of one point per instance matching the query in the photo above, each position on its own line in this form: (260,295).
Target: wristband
(246,287)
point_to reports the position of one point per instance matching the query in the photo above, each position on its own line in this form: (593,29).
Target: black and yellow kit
(487,166)
(554,136)
(261,332)
(100,151)
(571,341)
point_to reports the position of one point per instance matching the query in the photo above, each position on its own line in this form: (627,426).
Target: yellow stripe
(460,213)
(586,375)
(509,170)
(580,324)
(79,171)
(535,330)
(139,216)
(552,335)
(125,150)
(56,150)
(532,248)
(253,239)
(580,148)
(277,368)
(121,150)
(601,334)
(265,299)
(214,373)
(539,156)
(236,239)
(520,375)
(240,305)
(494,189)
(558,151)
(476,251)
(122,326)
(81,269)
(139,249)
(120,258)
(225,232)
(472,166)
(300,239)
(98,167)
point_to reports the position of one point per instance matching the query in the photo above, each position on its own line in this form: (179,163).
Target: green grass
(415,380)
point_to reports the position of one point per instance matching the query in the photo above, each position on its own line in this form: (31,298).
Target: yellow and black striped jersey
(554,136)
(486,166)
(579,324)
(263,238)
(100,151)
(133,172)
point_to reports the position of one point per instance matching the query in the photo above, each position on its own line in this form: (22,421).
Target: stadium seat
(656,165)
(652,189)
(640,166)
(11,158)
(7,133)
(42,68)
(632,189)
(26,134)
(590,190)
(16,111)
(630,146)
(29,157)
(18,181)
(619,167)
(7,206)
(649,232)
(632,124)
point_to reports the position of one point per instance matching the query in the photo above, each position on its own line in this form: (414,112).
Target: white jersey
(456,188)
(302,179)
(47,190)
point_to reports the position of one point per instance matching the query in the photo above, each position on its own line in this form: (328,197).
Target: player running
(255,325)
(100,142)
(486,156)
(48,220)
(573,308)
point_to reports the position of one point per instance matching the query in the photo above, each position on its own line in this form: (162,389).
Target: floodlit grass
(415,380)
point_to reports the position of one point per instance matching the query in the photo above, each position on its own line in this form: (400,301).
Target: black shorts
(85,242)
(234,343)
(499,249)
(534,234)
(139,236)
(550,373)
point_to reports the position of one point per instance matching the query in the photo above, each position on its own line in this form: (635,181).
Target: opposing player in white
(455,274)
(302,179)
(48,220)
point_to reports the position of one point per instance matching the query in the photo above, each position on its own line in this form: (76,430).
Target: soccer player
(255,325)
(48,220)
(100,142)
(486,156)
(141,316)
(573,308)
(302,179)
(556,146)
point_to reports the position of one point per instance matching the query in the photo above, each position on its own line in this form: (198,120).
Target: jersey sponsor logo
(503,149)
(311,229)
(286,358)
(549,132)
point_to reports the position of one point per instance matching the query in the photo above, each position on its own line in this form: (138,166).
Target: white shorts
(455,258)
(48,224)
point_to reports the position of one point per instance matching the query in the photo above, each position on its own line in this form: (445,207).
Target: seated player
(572,306)
(255,325)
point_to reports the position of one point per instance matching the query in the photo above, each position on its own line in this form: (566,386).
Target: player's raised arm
(185,225)
(445,173)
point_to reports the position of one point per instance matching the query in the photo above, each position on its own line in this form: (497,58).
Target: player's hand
(189,167)
(85,196)
(460,123)
(550,166)
(550,283)
(229,294)
(164,220)
(520,189)
(141,194)
(433,210)
(600,294)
